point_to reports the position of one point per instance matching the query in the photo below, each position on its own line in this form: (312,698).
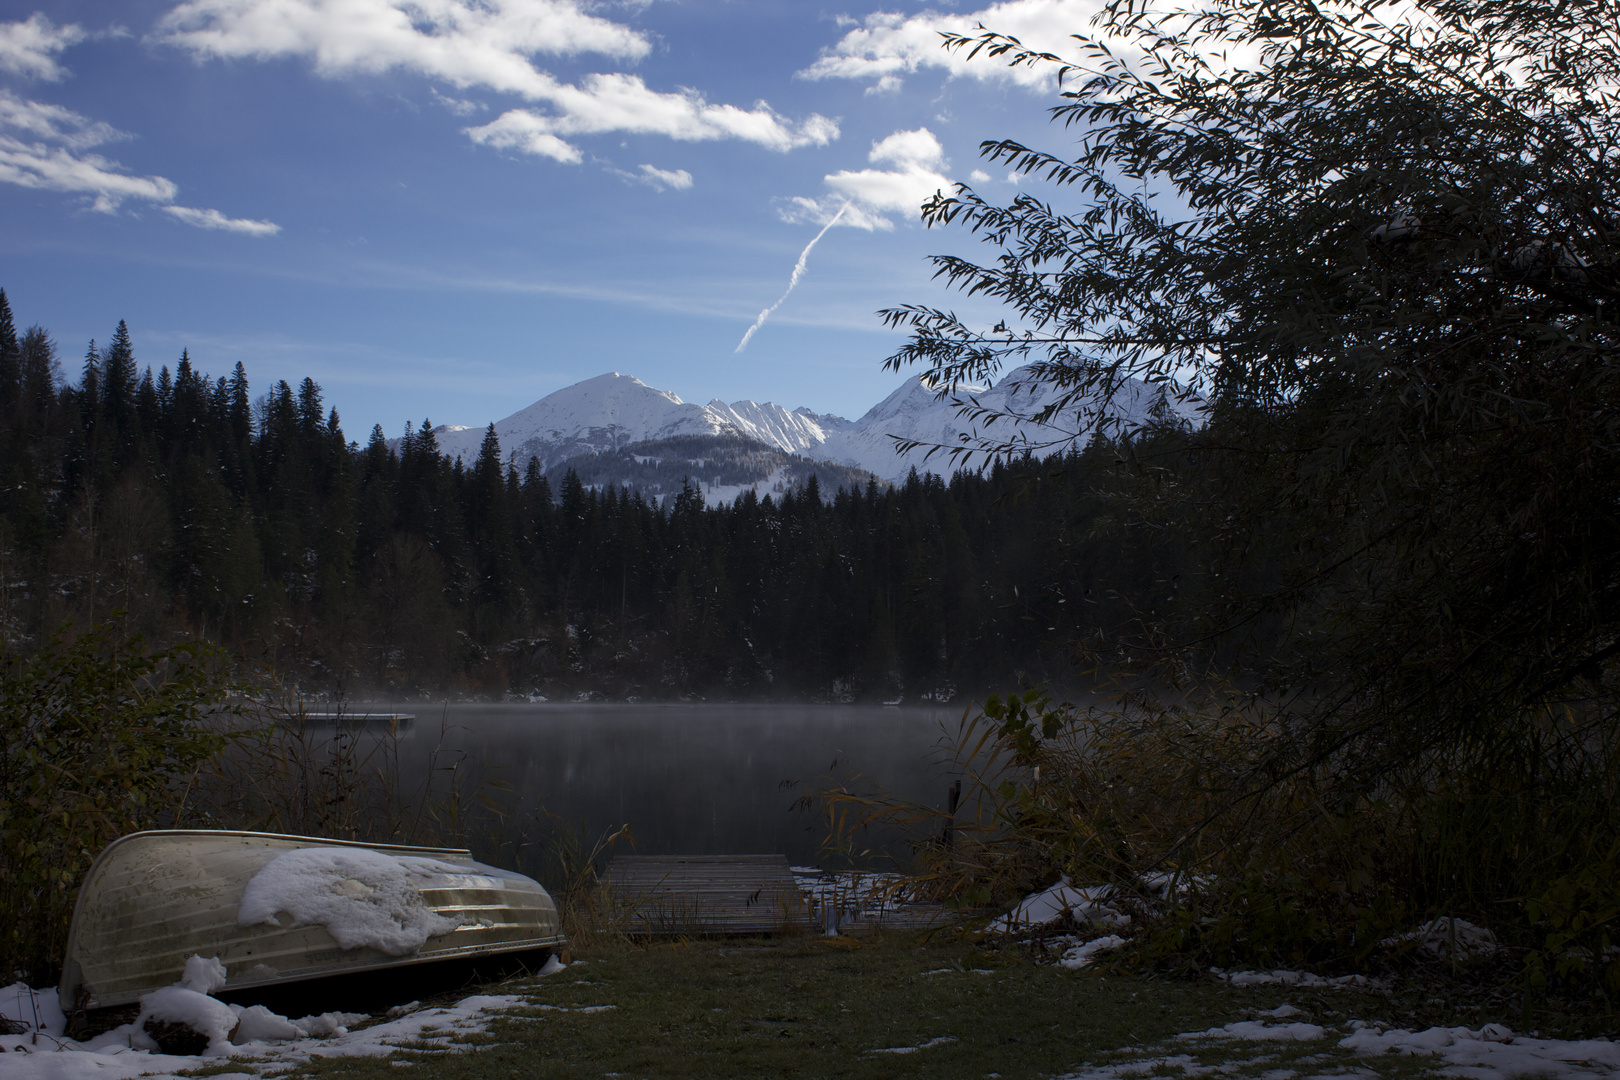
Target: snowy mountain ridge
(612,411)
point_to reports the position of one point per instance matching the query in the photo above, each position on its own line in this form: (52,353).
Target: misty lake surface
(689,779)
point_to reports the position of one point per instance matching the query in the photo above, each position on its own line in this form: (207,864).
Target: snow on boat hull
(153,899)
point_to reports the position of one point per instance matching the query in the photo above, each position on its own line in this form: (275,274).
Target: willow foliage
(1378,244)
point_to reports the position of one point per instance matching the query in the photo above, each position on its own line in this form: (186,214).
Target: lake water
(688,779)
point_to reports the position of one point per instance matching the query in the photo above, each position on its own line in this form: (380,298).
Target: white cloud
(459,106)
(889,46)
(213,219)
(466,43)
(659,179)
(486,44)
(54,123)
(522,130)
(47,147)
(909,149)
(871,195)
(618,102)
(29,48)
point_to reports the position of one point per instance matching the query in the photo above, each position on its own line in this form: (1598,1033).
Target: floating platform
(706,894)
(359,718)
(748,895)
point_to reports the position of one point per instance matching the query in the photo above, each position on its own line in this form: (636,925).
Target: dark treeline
(199,509)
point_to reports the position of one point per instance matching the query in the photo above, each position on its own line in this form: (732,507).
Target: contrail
(798,272)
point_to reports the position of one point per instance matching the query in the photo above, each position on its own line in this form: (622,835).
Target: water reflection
(688,779)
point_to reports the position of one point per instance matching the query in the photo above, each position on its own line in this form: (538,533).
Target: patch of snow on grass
(930,1044)
(1146,1067)
(1491,1052)
(362,897)
(1083,904)
(207,1016)
(1291,978)
(274,1043)
(1441,937)
(1080,956)
(1256,1031)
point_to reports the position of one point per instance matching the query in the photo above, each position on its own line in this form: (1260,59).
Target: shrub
(99,736)
(1224,856)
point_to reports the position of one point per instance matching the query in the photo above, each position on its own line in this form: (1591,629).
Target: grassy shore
(813,1007)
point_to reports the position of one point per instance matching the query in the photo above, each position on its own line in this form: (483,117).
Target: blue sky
(450,208)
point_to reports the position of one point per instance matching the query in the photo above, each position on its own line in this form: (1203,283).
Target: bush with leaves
(1379,242)
(99,736)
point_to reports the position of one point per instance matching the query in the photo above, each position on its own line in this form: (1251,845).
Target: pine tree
(489,523)
(148,411)
(10,362)
(119,378)
(90,384)
(40,375)
(377,480)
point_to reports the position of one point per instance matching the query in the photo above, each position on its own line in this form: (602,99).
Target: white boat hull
(153,899)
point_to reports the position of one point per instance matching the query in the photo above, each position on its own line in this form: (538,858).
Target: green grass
(811,1007)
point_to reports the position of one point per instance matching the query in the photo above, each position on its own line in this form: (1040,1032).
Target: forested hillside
(203,509)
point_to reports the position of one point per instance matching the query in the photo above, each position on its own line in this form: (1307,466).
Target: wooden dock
(706,894)
(744,895)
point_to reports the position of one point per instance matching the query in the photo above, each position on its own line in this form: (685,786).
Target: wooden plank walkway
(743,894)
(706,894)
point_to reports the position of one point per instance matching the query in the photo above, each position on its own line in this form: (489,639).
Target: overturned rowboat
(290,912)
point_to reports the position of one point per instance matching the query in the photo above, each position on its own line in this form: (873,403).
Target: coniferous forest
(201,506)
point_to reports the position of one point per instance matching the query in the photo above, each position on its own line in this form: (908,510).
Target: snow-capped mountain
(614,411)
(914,411)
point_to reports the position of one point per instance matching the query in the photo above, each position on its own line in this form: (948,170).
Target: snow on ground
(1441,937)
(1296,978)
(1312,1052)
(265,1043)
(1080,903)
(928,1045)
(1078,956)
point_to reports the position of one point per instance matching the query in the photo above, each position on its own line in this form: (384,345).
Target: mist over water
(689,779)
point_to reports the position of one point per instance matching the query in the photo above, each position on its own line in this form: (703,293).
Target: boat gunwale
(71,967)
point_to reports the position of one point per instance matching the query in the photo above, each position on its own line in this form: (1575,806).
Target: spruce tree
(89,390)
(119,378)
(40,375)
(10,362)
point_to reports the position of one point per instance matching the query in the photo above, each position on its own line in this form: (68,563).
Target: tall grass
(287,770)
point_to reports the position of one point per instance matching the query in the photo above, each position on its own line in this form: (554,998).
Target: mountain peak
(613,410)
